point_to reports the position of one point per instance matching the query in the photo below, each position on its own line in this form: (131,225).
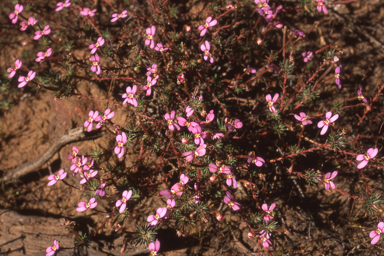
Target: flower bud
(219,217)
(212,178)
(259,41)
(250,235)
(184,140)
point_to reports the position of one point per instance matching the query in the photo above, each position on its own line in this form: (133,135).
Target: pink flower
(86,167)
(121,140)
(328,180)
(154,219)
(154,247)
(93,116)
(86,176)
(83,206)
(249,70)
(15,15)
(228,199)
(208,119)
(170,122)
(183,122)
(73,155)
(12,70)
(208,23)
(328,120)
(129,96)
(231,180)
(107,115)
(150,34)
(221,168)
(180,78)
(258,161)
(170,204)
(87,11)
(101,191)
(79,165)
(218,136)
(94,47)
(159,47)
(61,5)
(264,237)
(307,56)
(303,118)
(320,5)
(54,178)
(151,70)
(375,234)
(150,83)
(337,76)
(95,64)
(39,33)
(178,188)
(271,101)
(117,16)
(360,94)
(24,80)
(52,249)
(205,48)
(233,123)
(31,22)
(189,111)
(268,211)
(42,55)
(166,193)
(371,153)
(123,202)
(200,151)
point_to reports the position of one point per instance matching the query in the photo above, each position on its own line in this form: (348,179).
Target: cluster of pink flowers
(31,22)
(94,117)
(12,70)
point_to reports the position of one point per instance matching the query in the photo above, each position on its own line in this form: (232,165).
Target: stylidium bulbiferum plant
(247,122)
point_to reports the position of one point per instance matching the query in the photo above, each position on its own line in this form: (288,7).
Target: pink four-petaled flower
(178,188)
(264,237)
(328,120)
(52,249)
(159,47)
(87,11)
(24,80)
(86,176)
(231,180)
(375,234)
(42,55)
(307,56)
(258,161)
(321,6)
(171,124)
(117,16)
(360,94)
(39,33)
(150,82)
(76,167)
(107,115)
(93,116)
(328,180)
(337,76)
(122,203)
(129,96)
(54,178)
(206,47)
(121,140)
(95,64)
(249,70)
(200,151)
(31,22)
(15,15)
(371,153)
(154,247)
(94,47)
(83,206)
(61,5)
(303,118)
(228,199)
(73,155)
(208,23)
(271,101)
(150,34)
(268,217)
(154,219)
(151,70)
(12,70)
